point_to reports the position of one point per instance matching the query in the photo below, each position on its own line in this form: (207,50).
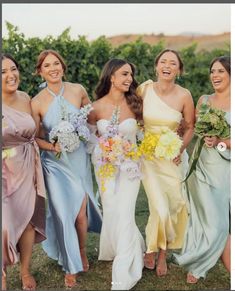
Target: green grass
(49,275)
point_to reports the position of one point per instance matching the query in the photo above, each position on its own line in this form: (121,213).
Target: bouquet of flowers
(68,133)
(116,153)
(210,122)
(163,145)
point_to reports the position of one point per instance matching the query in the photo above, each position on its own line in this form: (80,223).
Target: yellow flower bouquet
(164,145)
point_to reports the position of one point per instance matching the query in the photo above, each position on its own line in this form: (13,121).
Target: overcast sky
(93,20)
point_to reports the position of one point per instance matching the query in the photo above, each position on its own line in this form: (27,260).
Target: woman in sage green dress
(208,235)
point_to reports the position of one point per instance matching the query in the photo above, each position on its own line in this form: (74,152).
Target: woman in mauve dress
(23,198)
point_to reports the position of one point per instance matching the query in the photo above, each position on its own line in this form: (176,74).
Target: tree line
(85,60)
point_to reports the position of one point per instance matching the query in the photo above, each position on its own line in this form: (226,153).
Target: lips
(11,82)
(217,82)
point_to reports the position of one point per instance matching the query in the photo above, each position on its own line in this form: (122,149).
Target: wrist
(52,148)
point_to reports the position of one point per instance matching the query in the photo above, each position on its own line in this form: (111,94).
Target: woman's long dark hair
(225,62)
(103,87)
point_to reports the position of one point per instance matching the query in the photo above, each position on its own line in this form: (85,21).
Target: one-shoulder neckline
(155,93)
(19,111)
(123,121)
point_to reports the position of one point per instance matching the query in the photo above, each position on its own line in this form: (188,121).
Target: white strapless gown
(121,240)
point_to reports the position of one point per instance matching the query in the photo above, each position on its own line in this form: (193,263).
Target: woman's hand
(211,141)
(56,147)
(177,160)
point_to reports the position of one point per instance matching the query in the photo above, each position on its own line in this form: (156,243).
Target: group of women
(193,219)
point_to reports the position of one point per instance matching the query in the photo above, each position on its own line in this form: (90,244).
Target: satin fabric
(67,180)
(208,229)
(120,239)
(162,179)
(23,196)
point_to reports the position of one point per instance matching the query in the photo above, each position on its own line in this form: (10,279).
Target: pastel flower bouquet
(69,133)
(116,153)
(163,145)
(210,122)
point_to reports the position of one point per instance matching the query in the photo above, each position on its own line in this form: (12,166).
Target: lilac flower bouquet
(69,133)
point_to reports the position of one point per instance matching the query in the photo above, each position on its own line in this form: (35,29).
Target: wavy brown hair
(103,87)
(42,57)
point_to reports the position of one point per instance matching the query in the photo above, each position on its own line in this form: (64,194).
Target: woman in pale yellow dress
(165,104)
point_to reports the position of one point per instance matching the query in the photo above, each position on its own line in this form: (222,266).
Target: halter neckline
(60,92)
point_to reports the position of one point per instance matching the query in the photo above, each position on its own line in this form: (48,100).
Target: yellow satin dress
(162,179)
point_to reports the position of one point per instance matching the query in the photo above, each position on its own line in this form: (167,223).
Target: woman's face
(10,76)
(51,69)
(168,66)
(122,78)
(220,78)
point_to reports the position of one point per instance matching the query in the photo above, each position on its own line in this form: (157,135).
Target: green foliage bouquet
(210,122)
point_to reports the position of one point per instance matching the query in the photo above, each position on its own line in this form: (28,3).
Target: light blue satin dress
(67,180)
(209,198)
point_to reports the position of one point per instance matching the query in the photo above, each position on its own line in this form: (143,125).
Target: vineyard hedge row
(85,60)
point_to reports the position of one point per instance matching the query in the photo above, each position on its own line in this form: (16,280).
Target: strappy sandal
(28,282)
(150,260)
(70,281)
(191,279)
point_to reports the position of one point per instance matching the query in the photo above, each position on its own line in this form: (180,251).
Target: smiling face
(122,78)
(51,69)
(10,76)
(220,78)
(168,66)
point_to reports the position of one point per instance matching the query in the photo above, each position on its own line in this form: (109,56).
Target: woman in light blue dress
(72,207)
(208,235)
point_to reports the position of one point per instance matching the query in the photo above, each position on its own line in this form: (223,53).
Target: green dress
(208,228)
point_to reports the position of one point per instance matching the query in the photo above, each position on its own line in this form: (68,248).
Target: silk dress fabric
(209,194)
(120,239)
(23,190)
(68,180)
(162,179)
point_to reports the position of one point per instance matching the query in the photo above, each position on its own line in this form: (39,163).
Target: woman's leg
(81,226)
(226,255)
(4,279)
(161,268)
(25,244)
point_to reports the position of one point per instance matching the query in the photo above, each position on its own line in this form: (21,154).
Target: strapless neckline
(125,120)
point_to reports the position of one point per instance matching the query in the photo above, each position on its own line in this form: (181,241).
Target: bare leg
(25,244)
(4,279)
(226,256)
(81,226)
(161,268)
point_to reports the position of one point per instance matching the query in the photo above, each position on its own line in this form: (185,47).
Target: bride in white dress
(120,240)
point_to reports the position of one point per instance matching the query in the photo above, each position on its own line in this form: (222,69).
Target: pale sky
(94,20)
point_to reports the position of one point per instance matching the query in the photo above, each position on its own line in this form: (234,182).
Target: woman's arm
(43,144)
